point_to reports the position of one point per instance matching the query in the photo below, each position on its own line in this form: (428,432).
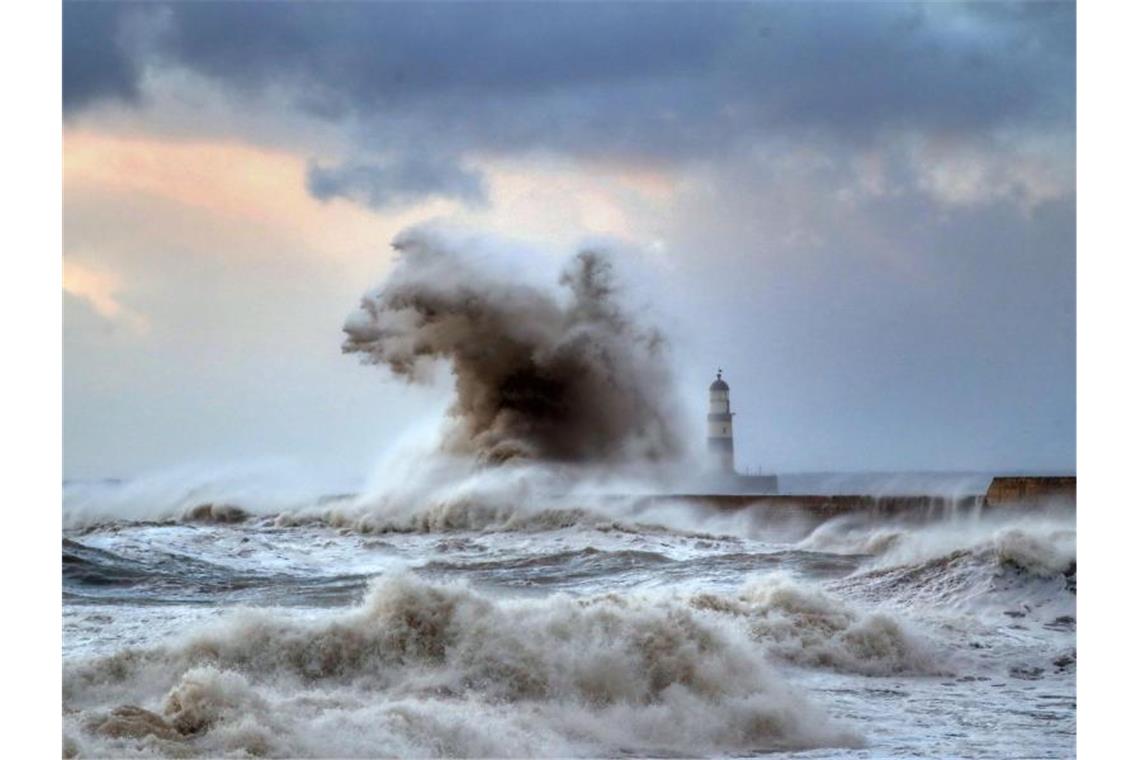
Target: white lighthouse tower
(720,427)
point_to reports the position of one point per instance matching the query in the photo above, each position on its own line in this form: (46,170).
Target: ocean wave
(94,574)
(425,669)
(955,559)
(192,494)
(565,569)
(442,517)
(1044,555)
(1012,571)
(422,513)
(803,625)
(430,494)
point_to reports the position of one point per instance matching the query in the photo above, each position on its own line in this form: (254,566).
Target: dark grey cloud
(651,81)
(398,182)
(97,64)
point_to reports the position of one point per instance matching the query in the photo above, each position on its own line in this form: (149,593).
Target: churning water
(567,630)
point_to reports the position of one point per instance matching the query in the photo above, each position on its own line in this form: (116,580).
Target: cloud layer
(658,83)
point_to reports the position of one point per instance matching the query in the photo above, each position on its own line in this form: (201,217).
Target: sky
(863,213)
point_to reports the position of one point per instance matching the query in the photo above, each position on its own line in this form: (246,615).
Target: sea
(201,623)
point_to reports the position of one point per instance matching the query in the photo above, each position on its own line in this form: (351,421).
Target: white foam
(427,670)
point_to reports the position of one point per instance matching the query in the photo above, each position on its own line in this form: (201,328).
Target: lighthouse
(720,427)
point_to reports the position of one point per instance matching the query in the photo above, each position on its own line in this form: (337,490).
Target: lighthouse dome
(718,384)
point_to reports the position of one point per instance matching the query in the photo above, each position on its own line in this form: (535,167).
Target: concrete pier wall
(1029,490)
(826,507)
(1003,492)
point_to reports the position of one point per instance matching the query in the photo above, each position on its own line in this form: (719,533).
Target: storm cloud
(400,182)
(644,83)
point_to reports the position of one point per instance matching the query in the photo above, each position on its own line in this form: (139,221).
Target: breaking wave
(419,492)
(1043,542)
(430,670)
(803,625)
(1013,564)
(209,494)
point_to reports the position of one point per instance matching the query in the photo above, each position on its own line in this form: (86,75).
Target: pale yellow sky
(258,189)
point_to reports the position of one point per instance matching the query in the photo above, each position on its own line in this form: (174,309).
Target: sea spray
(205,491)
(570,377)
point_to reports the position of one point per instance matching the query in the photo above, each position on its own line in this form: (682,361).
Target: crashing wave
(538,375)
(430,670)
(1042,545)
(802,625)
(1014,570)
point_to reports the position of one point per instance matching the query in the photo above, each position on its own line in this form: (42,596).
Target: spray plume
(540,376)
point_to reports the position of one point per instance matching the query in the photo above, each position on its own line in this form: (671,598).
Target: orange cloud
(257,198)
(100,289)
(225,178)
(236,182)
(561,200)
